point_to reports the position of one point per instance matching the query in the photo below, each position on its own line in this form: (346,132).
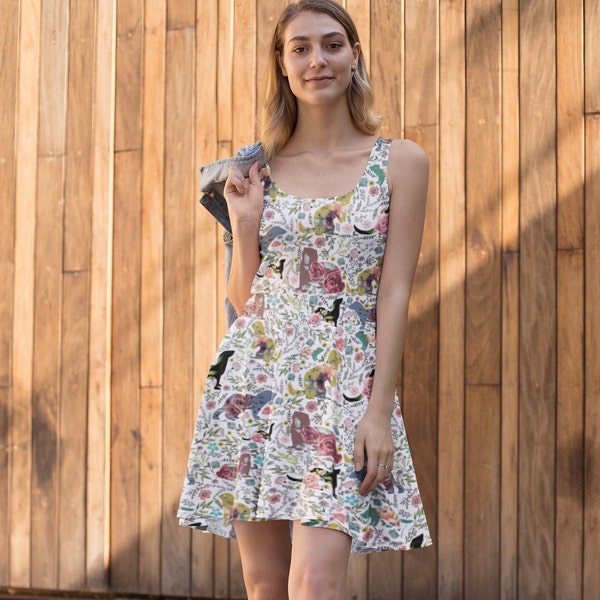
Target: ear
(281,65)
(356,54)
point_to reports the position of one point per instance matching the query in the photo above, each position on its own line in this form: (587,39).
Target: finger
(253,174)
(237,180)
(359,452)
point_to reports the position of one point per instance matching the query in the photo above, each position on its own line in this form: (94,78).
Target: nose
(318,58)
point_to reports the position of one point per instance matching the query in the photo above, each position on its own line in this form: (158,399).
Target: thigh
(319,561)
(265,551)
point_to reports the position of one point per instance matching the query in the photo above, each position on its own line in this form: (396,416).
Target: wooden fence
(111,287)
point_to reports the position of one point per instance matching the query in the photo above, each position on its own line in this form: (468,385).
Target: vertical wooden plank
(100,358)
(509,451)
(23,296)
(73,431)
(125,426)
(125,392)
(48,284)
(150,491)
(244,72)
(570,124)
(180,14)
(360,11)
(484,188)
(569,414)
(388,20)
(421,355)
(483,300)
(128,116)
(592,57)
(152,194)
(151,309)
(482,492)
(510,301)
(9,17)
(570,299)
(206,238)
(537,346)
(46,353)
(78,194)
(180,200)
(452,301)
(591,524)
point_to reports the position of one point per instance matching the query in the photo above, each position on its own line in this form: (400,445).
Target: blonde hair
(280,111)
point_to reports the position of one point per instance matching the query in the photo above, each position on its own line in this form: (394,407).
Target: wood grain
(591,523)
(72,428)
(23,296)
(178,281)
(537,346)
(9,17)
(101,263)
(451,397)
(112,289)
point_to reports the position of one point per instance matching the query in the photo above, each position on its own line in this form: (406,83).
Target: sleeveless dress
(275,432)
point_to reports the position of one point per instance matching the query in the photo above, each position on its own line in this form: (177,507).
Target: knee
(262,585)
(317,583)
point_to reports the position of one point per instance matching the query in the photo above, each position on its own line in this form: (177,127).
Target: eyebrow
(305,38)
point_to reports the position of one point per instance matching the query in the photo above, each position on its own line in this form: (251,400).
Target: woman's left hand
(373,443)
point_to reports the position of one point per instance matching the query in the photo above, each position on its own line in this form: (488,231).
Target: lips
(318,79)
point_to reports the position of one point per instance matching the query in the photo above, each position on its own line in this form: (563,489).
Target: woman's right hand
(244,195)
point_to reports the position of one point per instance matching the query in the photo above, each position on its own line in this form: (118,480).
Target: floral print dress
(275,432)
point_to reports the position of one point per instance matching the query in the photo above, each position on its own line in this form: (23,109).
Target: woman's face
(317,58)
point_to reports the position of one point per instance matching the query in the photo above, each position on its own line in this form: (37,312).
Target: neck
(320,129)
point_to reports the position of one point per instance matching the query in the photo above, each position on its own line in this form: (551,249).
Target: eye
(335,45)
(299,49)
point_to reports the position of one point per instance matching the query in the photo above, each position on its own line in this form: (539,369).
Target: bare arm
(244,197)
(408,173)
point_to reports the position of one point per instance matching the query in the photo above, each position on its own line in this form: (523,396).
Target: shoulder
(408,171)
(407,156)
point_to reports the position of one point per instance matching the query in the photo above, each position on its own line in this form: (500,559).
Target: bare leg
(265,550)
(319,563)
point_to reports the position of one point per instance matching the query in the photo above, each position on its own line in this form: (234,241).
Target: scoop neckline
(283,193)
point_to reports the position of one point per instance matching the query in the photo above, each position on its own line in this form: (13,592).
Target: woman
(300,423)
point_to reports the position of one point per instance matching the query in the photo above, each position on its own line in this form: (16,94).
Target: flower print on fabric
(289,383)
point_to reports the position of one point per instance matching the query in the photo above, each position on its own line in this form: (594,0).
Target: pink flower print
(306,206)
(382,225)
(315,319)
(280,480)
(269,215)
(388,483)
(339,517)
(386,514)
(368,387)
(311,480)
(256,437)
(204,494)
(416,500)
(210,404)
(347,228)
(290,331)
(261,378)
(348,423)
(328,447)
(359,357)
(296,368)
(320,242)
(374,190)
(316,271)
(311,406)
(354,253)
(227,472)
(368,535)
(339,344)
(236,405)
(309,435)
(275,498)
(266,410)
(333,283)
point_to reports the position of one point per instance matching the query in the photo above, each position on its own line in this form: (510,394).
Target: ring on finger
(387,467)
